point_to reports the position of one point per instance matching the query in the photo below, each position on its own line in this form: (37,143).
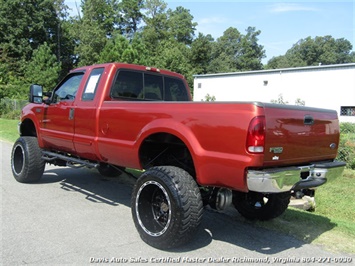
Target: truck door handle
(71,113)
(308,120)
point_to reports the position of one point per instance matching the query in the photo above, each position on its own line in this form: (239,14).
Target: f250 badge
(276,150)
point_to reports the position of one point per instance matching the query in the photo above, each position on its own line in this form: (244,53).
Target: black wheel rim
(18,159)
(153,208)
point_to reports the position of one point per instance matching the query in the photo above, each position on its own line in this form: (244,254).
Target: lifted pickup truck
(114,116)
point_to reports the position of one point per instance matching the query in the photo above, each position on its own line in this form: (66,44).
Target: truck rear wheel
(166,206)
(259,206)
(26,160)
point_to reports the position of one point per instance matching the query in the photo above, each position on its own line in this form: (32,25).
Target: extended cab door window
(92,84)
(67,90)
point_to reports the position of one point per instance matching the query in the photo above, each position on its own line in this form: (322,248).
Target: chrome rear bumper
(276,180)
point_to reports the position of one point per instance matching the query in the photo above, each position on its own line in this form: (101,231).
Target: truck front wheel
(26,160)
(259,206)
(166,206)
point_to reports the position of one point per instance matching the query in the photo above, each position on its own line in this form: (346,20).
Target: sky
(282,23)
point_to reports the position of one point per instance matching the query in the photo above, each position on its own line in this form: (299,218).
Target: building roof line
(280,70)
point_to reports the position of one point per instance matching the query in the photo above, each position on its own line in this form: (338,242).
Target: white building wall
(327,87)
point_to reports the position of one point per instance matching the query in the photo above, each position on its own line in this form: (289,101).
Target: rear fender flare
(177,129)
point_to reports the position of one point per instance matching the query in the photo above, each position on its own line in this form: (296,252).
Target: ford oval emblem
(333,146)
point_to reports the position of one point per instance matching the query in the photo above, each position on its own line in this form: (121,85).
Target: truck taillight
(256,135)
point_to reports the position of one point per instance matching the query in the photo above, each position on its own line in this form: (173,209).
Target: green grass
(8,130)
(332,225)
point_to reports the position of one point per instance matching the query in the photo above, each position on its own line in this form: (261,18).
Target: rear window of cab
(140,86)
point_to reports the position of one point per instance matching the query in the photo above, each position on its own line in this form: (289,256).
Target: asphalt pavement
(77,217)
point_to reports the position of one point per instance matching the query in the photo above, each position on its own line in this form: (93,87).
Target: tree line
(40,42)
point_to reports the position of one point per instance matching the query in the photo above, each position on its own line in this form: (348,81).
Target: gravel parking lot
(75,216)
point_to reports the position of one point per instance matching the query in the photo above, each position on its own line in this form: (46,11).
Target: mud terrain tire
(166,207)
(26,160)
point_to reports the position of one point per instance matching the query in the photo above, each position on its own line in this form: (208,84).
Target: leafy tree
(251,52)
(61,14)
(131,16)
(67,46)
(311,52)
(180,25)
(166,36)
(102,12)
(139,45)
(225,51)
(44,68)
(201,49)
(175,57)
(65,42)
(120,50)
(40,39)
(10,86)
(155,14)
(92,39)
(237,52)
(223,63)
(156,25)
(114,49)
(352,56)
(25,25)
(92,30)
(282,62)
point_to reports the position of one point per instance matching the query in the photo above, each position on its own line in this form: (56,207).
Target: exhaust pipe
(221,198)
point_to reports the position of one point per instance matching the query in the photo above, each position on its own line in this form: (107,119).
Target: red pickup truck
(114,116)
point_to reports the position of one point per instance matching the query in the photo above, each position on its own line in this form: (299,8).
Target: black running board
(71,162)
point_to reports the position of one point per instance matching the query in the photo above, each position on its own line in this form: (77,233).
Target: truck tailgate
(298,134)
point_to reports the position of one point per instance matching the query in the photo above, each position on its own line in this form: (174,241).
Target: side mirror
(36,94)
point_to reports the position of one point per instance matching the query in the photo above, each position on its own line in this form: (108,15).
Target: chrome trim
(277,180)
